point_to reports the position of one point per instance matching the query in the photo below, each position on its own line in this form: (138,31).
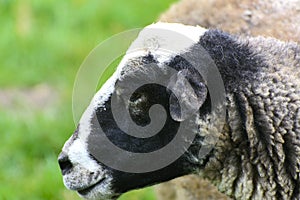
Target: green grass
(44,42)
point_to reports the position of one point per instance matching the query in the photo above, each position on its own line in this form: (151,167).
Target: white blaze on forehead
(164,40)
(192,32)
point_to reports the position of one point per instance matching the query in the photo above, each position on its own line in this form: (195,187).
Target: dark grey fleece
(258,154)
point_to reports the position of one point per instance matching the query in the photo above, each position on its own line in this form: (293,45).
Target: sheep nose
(64,163)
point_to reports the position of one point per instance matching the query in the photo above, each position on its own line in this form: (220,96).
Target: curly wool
(258,153)
(245,18)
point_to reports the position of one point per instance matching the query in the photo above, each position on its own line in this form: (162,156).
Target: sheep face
(141,81)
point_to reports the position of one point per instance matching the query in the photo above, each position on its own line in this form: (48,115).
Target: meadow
(42,45)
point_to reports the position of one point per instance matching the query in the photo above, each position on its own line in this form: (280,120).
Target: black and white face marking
(94,180)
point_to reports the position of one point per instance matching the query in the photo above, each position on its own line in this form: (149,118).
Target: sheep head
(125,140)
(131,97)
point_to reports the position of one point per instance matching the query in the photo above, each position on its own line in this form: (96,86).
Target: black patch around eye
(138,111)
(142,100)
(156,94)
(136,95)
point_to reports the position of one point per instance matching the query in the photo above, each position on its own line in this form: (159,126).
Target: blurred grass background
(42,44)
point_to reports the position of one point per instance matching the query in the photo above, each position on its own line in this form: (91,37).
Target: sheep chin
(100,191)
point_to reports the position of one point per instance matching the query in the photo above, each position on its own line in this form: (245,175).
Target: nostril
(64,163)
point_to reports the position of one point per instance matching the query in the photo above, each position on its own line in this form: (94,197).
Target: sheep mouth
(86,190)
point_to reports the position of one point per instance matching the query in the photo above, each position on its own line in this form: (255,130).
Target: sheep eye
(138,101)
(138,109)
(136,97)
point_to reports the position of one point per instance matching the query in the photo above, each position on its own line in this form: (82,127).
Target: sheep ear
(188,94)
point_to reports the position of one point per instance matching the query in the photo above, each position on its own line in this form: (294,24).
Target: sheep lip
(86,190)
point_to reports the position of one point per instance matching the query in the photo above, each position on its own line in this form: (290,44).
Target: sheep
(279,19)
(274,18)
(257,154)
